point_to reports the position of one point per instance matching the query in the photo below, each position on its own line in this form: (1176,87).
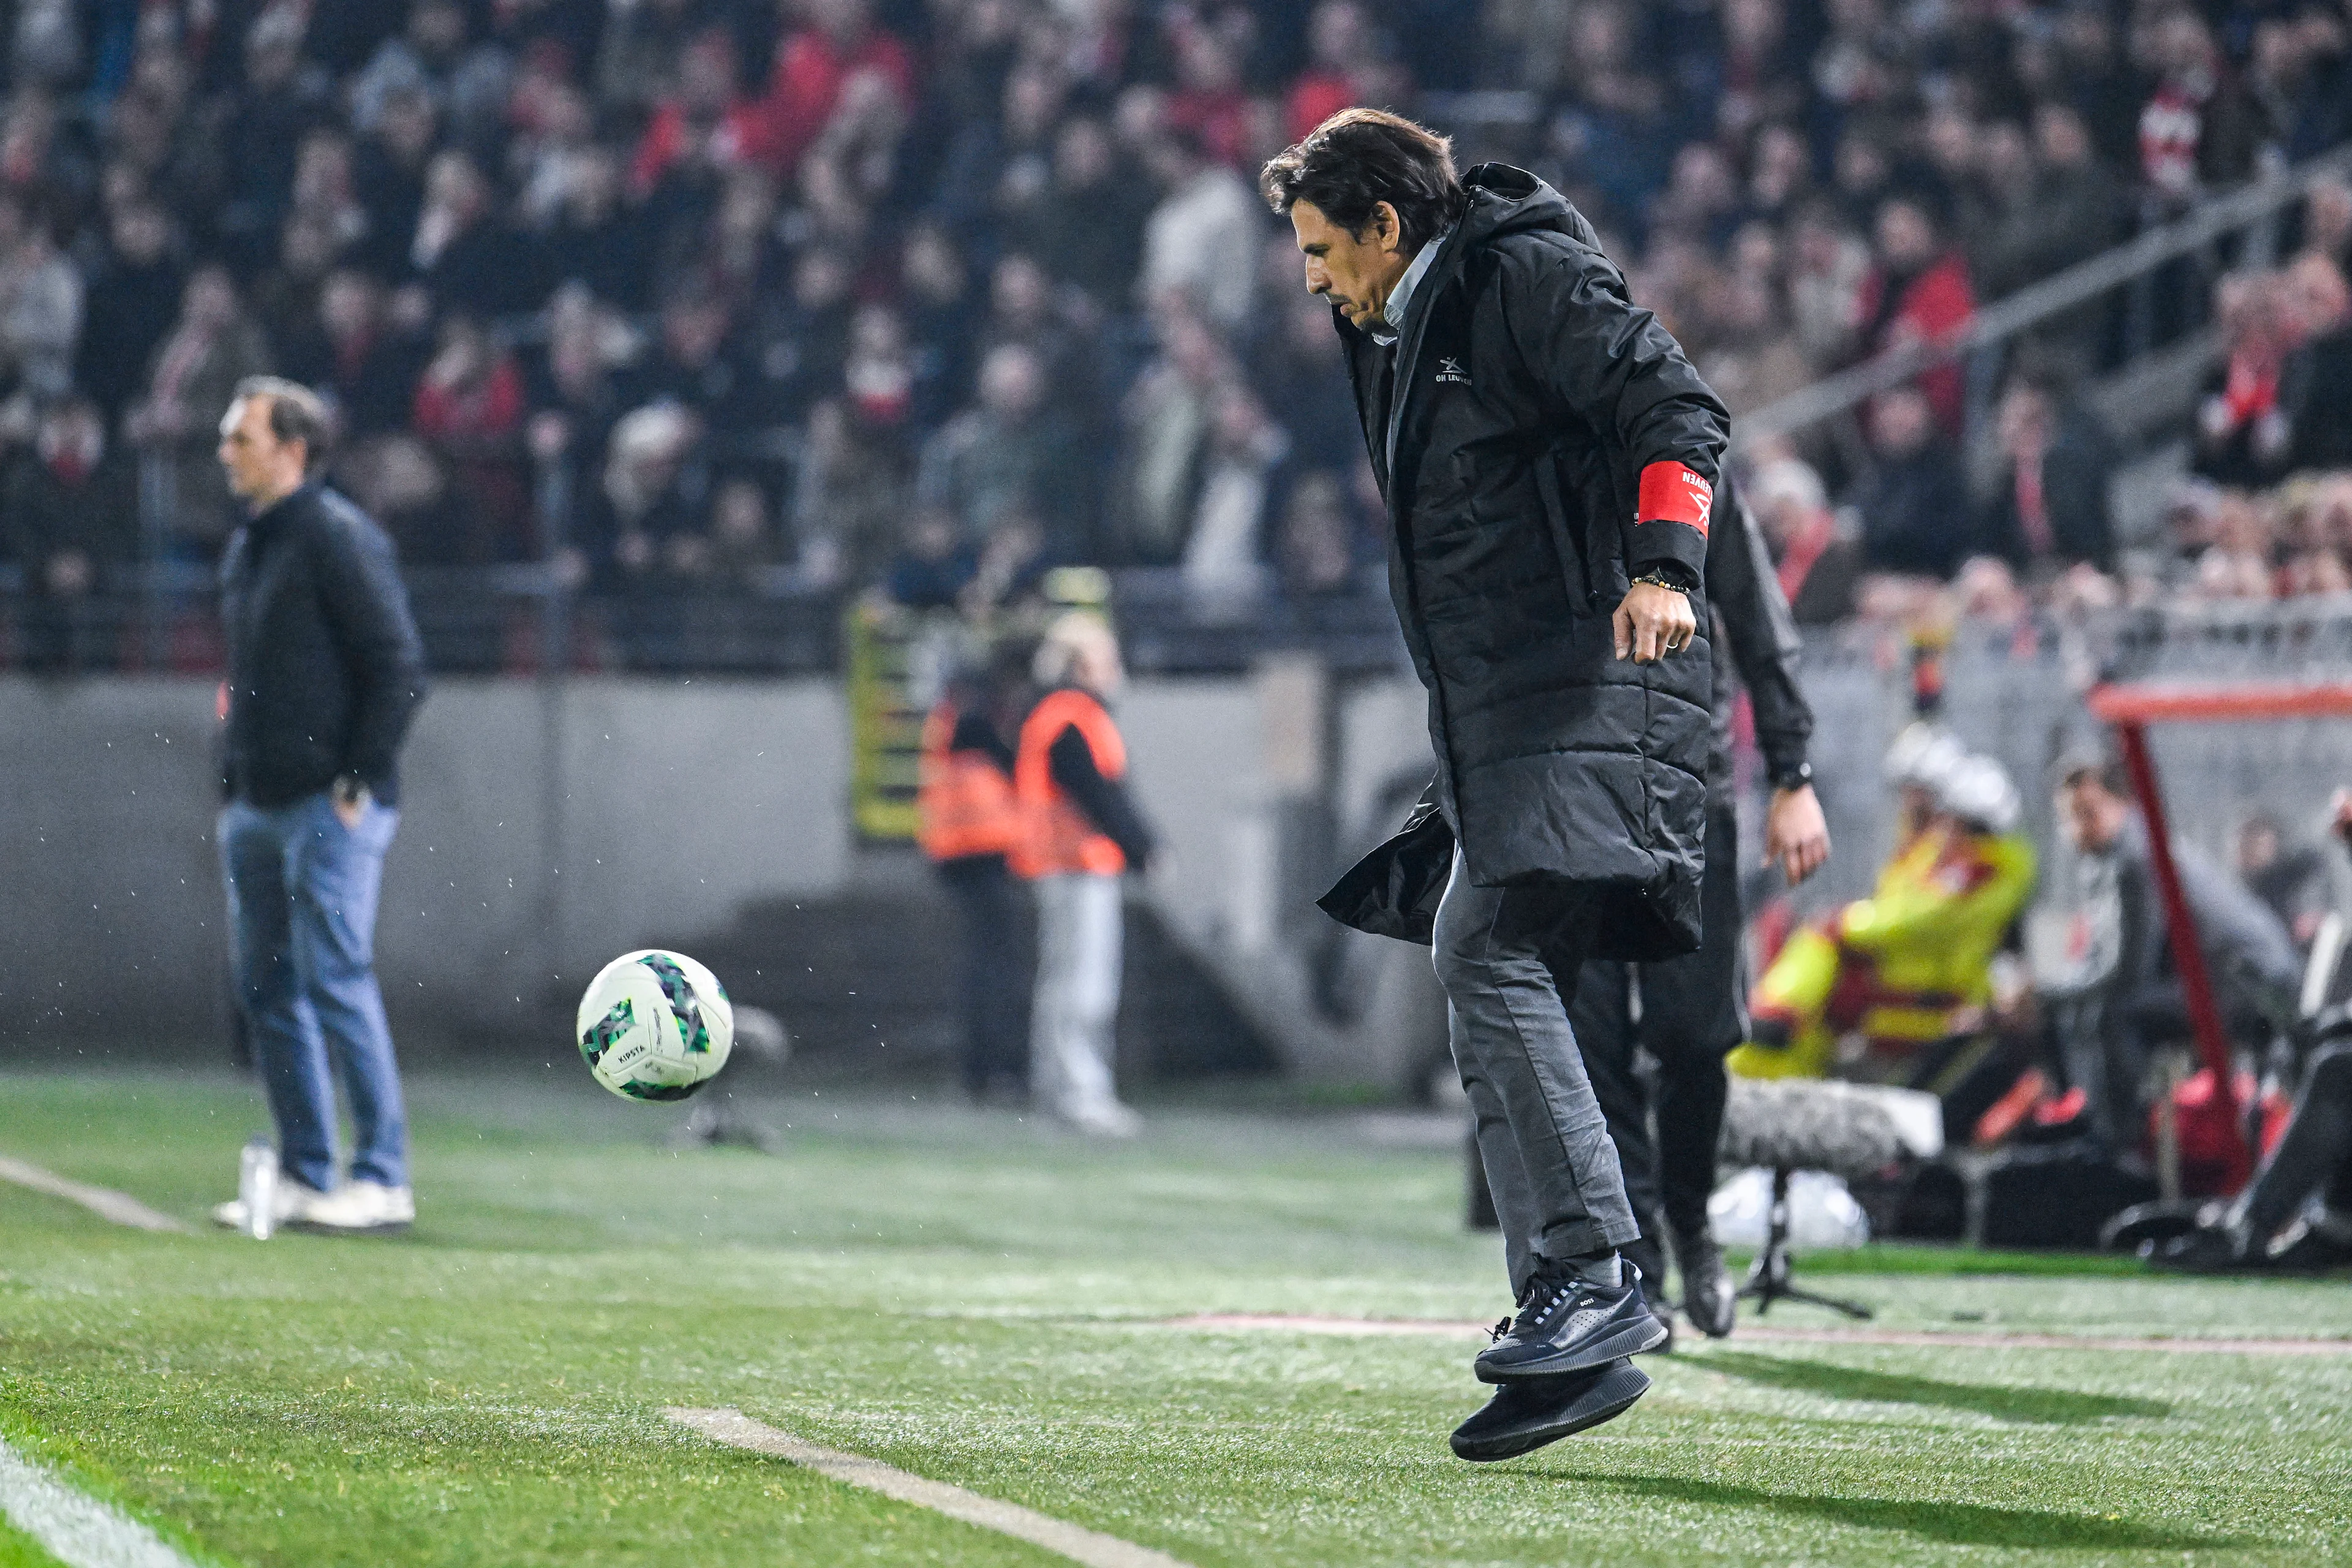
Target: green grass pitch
(985,1304)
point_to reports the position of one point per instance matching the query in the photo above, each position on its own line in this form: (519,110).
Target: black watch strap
(1797,777)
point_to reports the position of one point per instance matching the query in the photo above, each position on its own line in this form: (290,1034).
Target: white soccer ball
(656,1026)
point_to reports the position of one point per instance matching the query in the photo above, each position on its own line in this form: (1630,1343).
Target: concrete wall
(541,834)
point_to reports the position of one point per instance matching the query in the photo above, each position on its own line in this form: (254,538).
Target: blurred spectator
(211,348)
(1315,556)
(1023,310)
(67,505)
(1292,369)
(1913,503)
(470,412)
(434,56)
(797,345)
(2243,431)
(1089,228)
(1239,489)
(934,564)
(1819,566)
(283,99)
(368,358)
(2199,127)
(133,296)
(689,366)
(1344,70)
(642,523)
(1167,419)
(388,175)
(851,495)
(40,305)
(1829,267)
(593,239)
(2049,510)
(2291,883)
(815,66)
(1201,244)
(705,122)
(1010,454)
(464,252)
(2319,396)
(1918,292)
(743,540)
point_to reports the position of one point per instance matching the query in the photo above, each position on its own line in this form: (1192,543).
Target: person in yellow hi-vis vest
(1907,966)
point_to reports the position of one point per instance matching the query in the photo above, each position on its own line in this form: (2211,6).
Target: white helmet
(1923,755)
(1979,793)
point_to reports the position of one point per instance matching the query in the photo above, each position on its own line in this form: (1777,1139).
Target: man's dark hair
(1362,157)
(295,414)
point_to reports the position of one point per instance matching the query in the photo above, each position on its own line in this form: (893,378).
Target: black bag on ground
(2055,1195)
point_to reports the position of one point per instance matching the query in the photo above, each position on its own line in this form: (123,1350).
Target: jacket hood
(1505,200)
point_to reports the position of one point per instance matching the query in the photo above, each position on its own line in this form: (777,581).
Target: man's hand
(1651,622)
(350,799)
(1796,837)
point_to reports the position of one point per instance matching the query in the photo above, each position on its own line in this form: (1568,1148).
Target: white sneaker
(361,1208)
(1104,1119)
(290,1199)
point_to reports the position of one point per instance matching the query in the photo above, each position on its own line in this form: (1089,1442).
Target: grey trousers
(1073,1019)
(1553,1171)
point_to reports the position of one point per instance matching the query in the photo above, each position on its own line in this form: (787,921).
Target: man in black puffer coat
(1549,458)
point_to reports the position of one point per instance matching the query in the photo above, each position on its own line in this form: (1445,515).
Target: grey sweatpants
(1072,1020)
(1549,1164)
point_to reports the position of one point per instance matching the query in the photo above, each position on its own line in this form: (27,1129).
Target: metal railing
(1981,342)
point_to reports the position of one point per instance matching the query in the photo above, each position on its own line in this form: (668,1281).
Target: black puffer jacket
(325,667)
(1534,396)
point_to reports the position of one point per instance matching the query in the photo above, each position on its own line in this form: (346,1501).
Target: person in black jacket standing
(1548,456)
(1694,1008)
(325,671)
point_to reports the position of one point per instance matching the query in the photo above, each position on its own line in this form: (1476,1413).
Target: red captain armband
(1674,493)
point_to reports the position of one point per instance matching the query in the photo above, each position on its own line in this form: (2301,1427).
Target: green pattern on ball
(683,1005)
(636,1091)
(608,1030)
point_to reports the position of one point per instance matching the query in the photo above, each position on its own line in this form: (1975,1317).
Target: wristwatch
(1799,777)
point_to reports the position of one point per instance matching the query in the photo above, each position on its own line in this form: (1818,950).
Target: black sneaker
(1709,1298)
(1525,1415)
(1566,1325)
(2208,1250)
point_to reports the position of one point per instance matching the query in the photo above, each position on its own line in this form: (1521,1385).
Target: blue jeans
(301,903)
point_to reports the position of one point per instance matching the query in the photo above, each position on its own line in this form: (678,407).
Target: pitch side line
(1074,1541)
(73,1527)
(1763,1333)
(121,1208)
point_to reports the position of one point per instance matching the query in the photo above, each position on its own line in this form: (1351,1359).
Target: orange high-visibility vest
(964,802)
(1058,838)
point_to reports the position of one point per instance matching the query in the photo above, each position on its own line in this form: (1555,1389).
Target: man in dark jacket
(2124,998)
(325,671)
(1692,1008)
(1548,456)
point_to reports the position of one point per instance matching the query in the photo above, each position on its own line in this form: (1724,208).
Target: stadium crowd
(741,295)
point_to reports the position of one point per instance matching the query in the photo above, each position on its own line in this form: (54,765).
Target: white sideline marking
(104,1202)
(1766,1333)
(73,1527)
(1074,1541)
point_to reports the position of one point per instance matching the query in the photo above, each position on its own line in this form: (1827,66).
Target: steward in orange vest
(968,825)
(963,796)
(1069,774)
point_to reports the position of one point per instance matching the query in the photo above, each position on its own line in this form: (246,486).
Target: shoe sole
(1633,1339)
(1611,1394)
(313,1228)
